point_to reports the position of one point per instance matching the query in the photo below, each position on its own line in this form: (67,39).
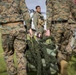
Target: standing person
(58,12)
(44,53)
(38,20)
(12,15)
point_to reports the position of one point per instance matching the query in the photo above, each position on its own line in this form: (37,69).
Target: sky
(31,4)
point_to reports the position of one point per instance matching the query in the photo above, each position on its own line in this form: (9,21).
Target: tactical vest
(38,21)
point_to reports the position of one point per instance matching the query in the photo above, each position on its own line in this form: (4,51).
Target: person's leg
(63,64)
(20,46)
(8,53)
(59,38)
(58,35)
(64,67)
(65,51)
(57,31)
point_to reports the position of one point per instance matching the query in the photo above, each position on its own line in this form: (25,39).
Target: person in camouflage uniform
(12,15)
(58,12)
(41,53)
(38,20)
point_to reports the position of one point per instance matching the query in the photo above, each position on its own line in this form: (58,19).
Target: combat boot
(64,66)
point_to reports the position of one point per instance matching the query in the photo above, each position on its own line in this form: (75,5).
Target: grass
(2,62)
(71,68)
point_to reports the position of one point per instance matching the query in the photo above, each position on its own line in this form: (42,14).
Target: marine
(41,53)
(12,15)
(38,20)
(58,12)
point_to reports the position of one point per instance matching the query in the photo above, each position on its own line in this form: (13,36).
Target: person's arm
(35,19)
(49,17)
(25,13)
(49,13)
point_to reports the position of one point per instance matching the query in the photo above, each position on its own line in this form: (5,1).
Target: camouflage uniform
(12,14)
(71,45)
(38,21)
(58,12)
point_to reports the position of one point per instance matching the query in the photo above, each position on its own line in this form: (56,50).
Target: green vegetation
(2,62)
(71,68)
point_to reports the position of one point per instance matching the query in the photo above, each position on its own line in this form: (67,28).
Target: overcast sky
(31,4)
